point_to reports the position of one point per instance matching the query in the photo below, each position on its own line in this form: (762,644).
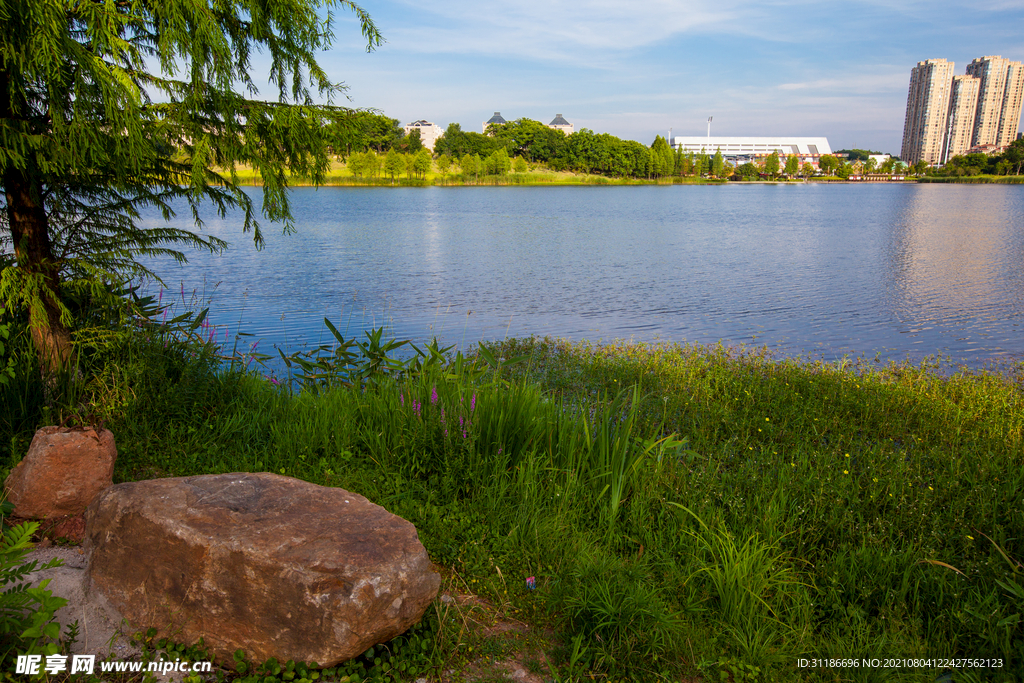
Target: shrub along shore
(686,512)
(340,175)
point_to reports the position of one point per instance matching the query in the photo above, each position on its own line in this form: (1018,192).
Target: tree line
(1010,162)
(367,139)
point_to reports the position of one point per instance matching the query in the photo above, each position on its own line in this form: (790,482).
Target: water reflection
(830,270)
(951,269)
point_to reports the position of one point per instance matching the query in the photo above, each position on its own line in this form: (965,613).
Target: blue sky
(763,67)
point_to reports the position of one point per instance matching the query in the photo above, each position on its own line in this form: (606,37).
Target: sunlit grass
(684,510)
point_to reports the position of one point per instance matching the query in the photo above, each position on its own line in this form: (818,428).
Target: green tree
(411,143)
(109,106)
(792,165)
(520,165)
(662,158)
(701,164)
(771,165)
(748,171)
(469,165)
(356,164)
(807,170)
(422,162)
(718,164)
(686,164)
(502,164)
(372,163)
(394,164)
(1014,155)
(410,164)
(857,154)
(444,164)
(828,164)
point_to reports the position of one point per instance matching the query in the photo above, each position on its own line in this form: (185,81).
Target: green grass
(339,175)
(687,511)
(982,179)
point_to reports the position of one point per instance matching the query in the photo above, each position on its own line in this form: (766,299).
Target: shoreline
(599,181)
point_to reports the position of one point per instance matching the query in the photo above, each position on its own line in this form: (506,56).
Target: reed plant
(708,512)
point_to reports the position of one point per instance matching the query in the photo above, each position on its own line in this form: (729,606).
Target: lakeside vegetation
(683,512)
(526,152)
(687,512)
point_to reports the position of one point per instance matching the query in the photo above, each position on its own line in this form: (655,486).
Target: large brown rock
(272,565)
(63,471)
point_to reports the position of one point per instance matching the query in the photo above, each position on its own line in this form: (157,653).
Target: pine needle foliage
(107,108)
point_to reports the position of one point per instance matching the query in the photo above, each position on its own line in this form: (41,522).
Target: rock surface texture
(63,471)
(275,566)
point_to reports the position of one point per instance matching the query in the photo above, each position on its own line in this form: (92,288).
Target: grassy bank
(687,512)
(977,179)
(340,176)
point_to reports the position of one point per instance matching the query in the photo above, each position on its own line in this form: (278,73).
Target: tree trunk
(30,236)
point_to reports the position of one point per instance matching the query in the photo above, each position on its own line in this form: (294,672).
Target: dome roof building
(559,123)
(496,119)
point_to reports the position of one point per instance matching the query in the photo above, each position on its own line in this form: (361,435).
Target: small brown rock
(71,528)
(271,565)
(63,471)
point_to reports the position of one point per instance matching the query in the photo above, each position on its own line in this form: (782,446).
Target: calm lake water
(826,270)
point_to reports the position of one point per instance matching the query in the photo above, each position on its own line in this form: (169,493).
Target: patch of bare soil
(493,645)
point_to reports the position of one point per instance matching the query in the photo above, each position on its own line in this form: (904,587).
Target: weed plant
(683,510)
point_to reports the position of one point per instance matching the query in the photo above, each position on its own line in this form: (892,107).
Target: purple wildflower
(472,403)
(401,398)
(433,396)
(460,421)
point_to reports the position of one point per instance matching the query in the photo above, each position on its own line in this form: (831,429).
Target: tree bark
(34,252)
(30,236)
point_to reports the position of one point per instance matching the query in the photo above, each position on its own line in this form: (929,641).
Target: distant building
(951,115)
(429,132)
(559,123)
(1000,96)
(741,150)
(963,105)
(494,119)
(990,150)
(924,128)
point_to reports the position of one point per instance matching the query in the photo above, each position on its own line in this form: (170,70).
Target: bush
(26,613)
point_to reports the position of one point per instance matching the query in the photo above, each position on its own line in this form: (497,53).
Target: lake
(824,270)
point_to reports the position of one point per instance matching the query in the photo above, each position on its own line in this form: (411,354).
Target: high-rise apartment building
(1000,96)
(949,115)
(924,130)
(963,104)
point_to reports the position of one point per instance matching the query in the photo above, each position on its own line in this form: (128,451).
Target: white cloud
(868,79)
(559,28)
